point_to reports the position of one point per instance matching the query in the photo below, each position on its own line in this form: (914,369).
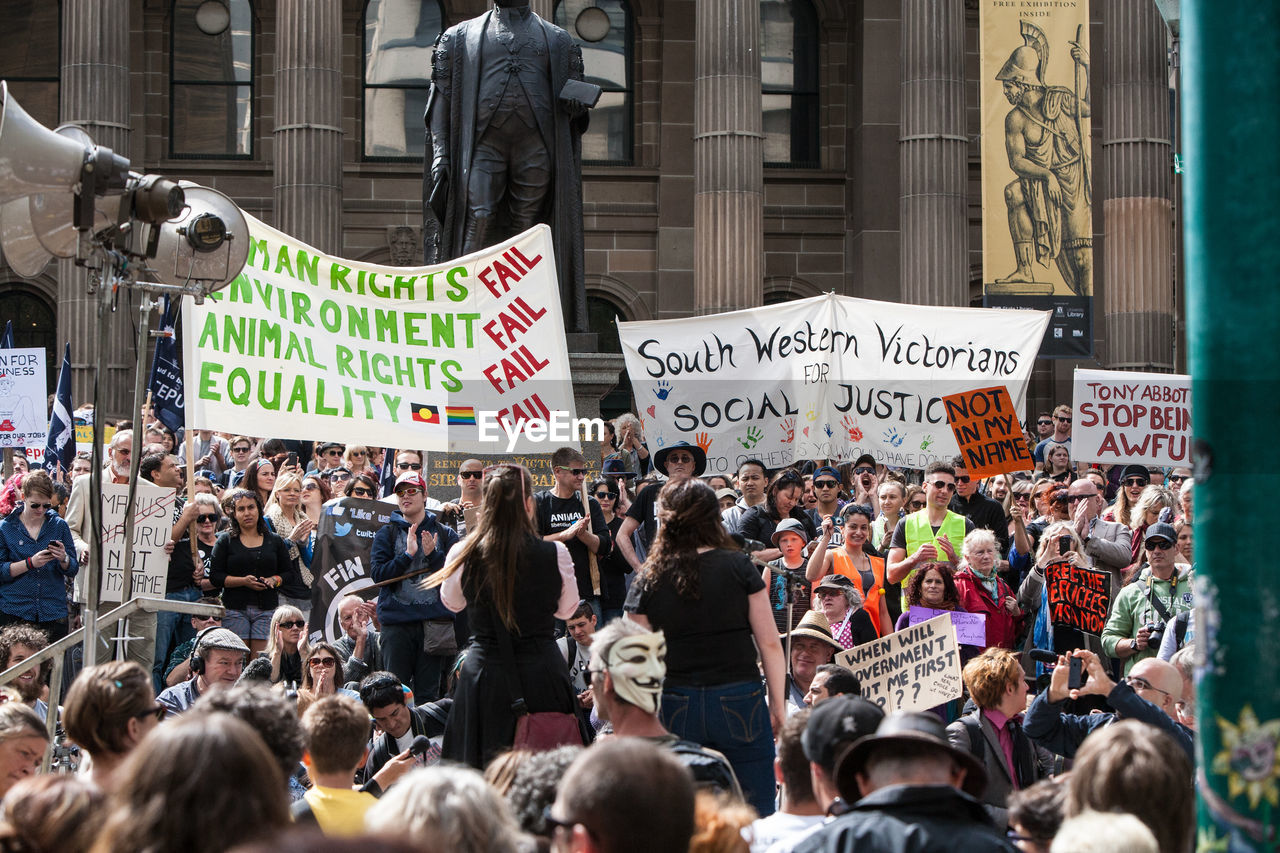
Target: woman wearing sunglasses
(109,709)
(287,645)
(188,579)
(37,555)
(249,564)
(315,494)
(361,486)
(781,500)
(613,568)
(321,676)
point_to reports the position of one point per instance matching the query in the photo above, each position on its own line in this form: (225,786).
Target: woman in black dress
(514,586)
(613,568)
(249,564)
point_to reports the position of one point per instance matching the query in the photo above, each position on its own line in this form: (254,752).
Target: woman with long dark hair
(711,603)
(514,586)
(249,564)
(37,555)
(613,568)
(782,499)
(260,479)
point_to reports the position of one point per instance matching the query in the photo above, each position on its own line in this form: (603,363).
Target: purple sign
(971,628)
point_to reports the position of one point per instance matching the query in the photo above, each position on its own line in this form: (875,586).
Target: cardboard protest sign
(1078,597)
(152,524)
(971,628)
(1122,417)
(310,346)
(441,470)
(830,377)
(911,670)
(23,398)
(986,427)
(84,437)
(344,541)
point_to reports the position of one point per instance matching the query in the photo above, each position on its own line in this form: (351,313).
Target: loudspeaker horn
(34,159)
(52,214)
(22,250)
(207,243)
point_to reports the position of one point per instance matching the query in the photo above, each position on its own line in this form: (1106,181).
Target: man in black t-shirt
(561,518)
(678,461)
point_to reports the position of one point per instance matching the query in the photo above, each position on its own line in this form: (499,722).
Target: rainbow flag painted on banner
(424,414)
(460,415)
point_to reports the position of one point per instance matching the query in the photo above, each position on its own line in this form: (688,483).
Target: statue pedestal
(594,375)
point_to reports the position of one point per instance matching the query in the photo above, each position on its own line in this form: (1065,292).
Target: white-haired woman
(981,590)
(288,518)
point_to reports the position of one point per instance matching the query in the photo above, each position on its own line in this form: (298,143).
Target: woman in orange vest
(866,571)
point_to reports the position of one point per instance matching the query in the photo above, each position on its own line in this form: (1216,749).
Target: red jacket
(1002,629)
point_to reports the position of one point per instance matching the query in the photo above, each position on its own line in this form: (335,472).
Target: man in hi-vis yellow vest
(934,534)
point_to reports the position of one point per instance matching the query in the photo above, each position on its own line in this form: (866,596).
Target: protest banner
(1078,597)
(23,398)
(987,428)
(152,524)
(910,670)
(341,565)
(310,346)
(830,377)
(971,628)
(1123,417)
(84,437)
(441,470)
(1037,193)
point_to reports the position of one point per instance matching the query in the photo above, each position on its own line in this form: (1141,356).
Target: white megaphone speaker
(205,247)
(33,158)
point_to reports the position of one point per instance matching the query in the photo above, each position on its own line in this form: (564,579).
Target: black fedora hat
(699,457)
(906,728)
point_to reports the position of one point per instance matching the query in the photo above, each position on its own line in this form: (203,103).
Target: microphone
(258,669)
(1041,656)
(420,745)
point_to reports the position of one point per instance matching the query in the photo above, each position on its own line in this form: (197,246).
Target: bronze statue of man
(504,119)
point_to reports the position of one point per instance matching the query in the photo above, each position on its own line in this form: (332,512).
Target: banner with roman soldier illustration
(1037,168)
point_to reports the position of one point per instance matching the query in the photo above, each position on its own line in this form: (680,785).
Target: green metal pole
(1231,119)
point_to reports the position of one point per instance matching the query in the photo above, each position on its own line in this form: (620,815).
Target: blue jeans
(172,630)
(734,719)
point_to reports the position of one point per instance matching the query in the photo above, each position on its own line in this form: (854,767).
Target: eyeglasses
(206,518)
(364,493)
(157,711)
(1158,544)
(943,484)
(865,469)
(613,496)
(292,623)
(310,486)
(1064,420)
(240,450)
(1137,682)
(1136,481)
(577,472)
(1022,497)
(408,466)
(470,475)
(360,453)
(826,484)
(34,505)
(962,478)
(680,458)
(1177,478)
(333,451)
(1074,498)
(554,823)
(409,491)
(326,662)
(1044,423)
(916,504)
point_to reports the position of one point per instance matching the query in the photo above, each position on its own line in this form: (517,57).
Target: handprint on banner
(661,441)
(811,414)
(788,430)
(663,390)
(827,429)
(754,434)
(703,440)
(851,425)
(891,436)
(928,440)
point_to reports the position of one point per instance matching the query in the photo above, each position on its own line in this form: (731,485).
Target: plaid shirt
(38,594)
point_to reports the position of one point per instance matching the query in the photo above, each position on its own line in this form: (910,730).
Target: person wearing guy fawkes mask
(628,665)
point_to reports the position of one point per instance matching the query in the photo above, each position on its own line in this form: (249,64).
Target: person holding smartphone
(1059,542)
(37,555)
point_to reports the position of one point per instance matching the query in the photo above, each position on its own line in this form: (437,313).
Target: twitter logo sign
(342,529)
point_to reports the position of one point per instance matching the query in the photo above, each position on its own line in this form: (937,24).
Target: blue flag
(6,340)
(166,377)
(60,450)
(387,476)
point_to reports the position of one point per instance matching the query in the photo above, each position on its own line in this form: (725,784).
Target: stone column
(728,170)
(95,95)
(932,151)
(1138,271)
(308,134)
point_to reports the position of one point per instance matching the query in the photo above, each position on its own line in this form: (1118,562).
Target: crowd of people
(639,657)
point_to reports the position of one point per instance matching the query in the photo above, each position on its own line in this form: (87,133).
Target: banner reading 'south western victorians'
(830,377)
(309,346)
(1037,169)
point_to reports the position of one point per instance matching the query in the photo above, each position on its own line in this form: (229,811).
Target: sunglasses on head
(292,623)
(409,466)
(471,475)
(206,518)
(943,484)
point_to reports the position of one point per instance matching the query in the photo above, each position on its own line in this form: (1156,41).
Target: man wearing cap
(934,534)
(627,668)
(785,580)
(811,645)
(1152,600)
(560,517)
(418,642)
(910,790)
(678,461)
(752,480)
(826,488)
(218,659)
(840,600)
(328,457)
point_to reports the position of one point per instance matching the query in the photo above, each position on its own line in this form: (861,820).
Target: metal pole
(106,281)
(1231,120)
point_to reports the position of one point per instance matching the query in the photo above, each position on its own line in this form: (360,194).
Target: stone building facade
(745,152)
